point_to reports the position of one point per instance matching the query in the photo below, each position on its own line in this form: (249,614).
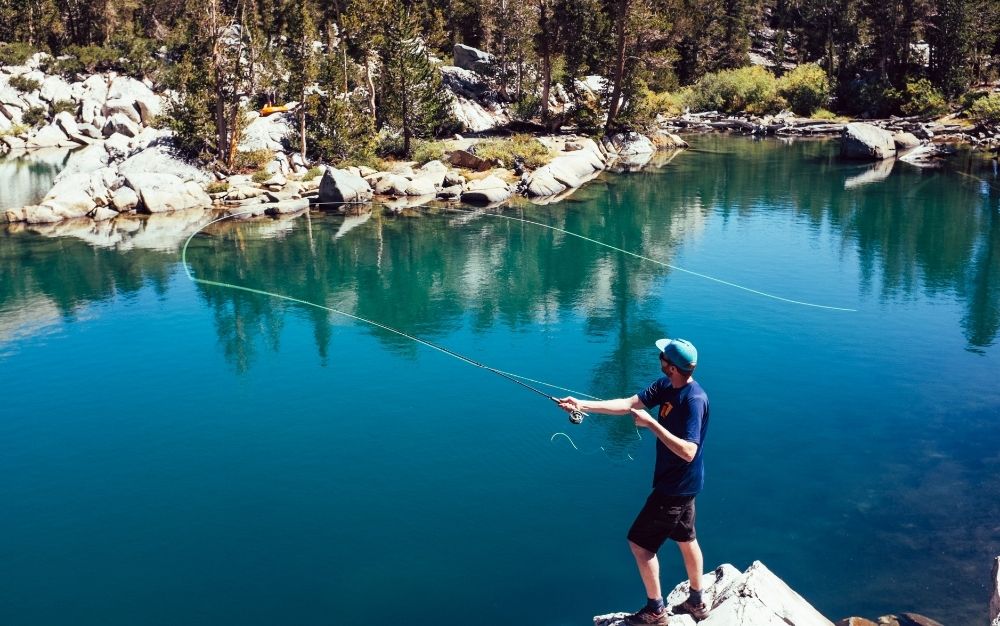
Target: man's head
(678,358)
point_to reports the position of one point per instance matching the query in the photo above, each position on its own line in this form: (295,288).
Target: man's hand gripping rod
(575,416)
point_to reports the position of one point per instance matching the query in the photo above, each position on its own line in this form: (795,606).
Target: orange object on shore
(268,109)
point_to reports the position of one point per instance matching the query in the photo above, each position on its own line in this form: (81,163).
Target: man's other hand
(642,418)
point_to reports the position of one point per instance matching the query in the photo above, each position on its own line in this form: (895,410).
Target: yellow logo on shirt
(665,409)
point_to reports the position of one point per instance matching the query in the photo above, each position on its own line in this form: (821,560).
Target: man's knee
(639,551)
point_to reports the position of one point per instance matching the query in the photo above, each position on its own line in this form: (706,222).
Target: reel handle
(576,417)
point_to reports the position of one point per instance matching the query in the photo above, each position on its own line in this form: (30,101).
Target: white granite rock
(49,136)
(340,186)
(391,185)
(161,159)
(266,133)
(541,182)
(166,192)
(120,123)
(54,89)
(866,141)
(124,199)
(756,597)
(120,106)
(140,97)
(489,190)
(421,186)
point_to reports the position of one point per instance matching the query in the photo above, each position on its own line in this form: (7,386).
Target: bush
(86,60)
(218,186)
(313,173)
(527,107)
(920,98)
(60,106)
(15,53)
(24,84)
(260,176)
(35,116)
(524,148)
(806,88)
(751,89)
(252,160)
(424,151)
(986,110)
(823,114)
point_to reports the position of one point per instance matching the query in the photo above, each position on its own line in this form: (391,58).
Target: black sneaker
(697,611)
(647,616)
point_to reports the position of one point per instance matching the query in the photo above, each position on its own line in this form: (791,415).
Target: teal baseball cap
(681,352)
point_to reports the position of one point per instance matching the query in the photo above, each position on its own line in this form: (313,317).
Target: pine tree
(949,36)
(412,99)
(302,55)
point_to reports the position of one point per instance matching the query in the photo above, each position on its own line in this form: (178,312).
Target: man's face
(665,365)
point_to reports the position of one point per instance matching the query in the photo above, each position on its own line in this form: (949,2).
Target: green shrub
(60,106)
(313,173)
(823,114)
(986,110)
(806,88)
(527,107)
(424,151)
(15,53)
(24,84)
(218,186)
(920,98)
(86,60)
(751,90)
(519,147)
(35,116)
(260,176)
(252,160)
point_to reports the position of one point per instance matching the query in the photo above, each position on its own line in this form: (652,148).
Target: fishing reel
(576,417)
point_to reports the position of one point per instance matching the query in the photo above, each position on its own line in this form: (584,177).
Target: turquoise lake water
(177,453)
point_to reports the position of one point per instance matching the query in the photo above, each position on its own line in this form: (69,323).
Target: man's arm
(618,406)
(683,448)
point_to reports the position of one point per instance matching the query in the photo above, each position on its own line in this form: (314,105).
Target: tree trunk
(371,84)
(543,24)
(619,69)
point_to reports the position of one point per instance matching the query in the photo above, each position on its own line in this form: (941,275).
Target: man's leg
(693,562)
(649,570)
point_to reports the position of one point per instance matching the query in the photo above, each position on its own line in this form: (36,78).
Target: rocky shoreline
(124,164)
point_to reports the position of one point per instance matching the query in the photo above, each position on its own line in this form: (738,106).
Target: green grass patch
(217,187)
(260,176)
(425,151)
(313,173)
(506,151)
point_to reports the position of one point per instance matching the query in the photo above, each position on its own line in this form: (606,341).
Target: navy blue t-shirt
(683,412)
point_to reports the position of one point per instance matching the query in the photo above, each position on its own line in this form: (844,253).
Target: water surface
(181,453)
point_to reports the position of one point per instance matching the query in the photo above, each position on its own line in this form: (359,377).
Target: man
(677,477)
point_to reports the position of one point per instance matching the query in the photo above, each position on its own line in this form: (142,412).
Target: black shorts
(663,517)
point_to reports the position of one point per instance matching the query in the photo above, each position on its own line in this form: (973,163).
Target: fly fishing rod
(575,416)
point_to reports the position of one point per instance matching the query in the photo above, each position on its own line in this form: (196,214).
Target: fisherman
(678,475)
